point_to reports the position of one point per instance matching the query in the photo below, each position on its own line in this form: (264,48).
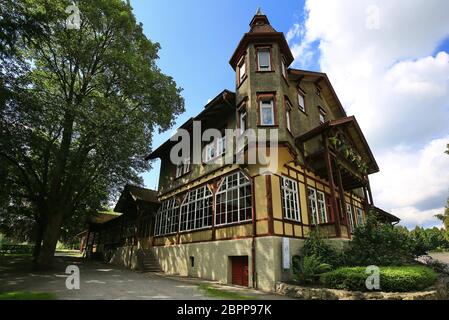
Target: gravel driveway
(104,281)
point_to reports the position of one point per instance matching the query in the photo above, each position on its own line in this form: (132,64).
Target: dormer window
(322,115)
(263,59)
(183,167)
(242,70)
(215,149)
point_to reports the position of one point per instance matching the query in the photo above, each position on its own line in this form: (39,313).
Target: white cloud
(416,217)
(410,177)
(379,57)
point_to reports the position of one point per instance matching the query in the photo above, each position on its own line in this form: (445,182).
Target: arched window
(167,218)
(233,200)
(196,209)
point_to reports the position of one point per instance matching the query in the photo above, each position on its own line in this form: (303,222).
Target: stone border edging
(440,291)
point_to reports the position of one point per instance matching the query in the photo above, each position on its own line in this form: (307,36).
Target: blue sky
(394,77)
(198,38)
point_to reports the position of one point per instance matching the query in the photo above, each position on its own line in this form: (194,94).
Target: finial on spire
(259,12)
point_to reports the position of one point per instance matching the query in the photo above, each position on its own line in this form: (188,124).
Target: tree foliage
(79,108)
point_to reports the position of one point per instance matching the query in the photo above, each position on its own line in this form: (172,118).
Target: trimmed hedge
(16,249)
(392,279)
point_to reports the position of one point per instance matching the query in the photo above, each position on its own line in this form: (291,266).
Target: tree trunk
(39,236)
(50,239)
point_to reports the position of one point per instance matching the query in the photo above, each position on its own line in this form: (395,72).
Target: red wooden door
(240,270)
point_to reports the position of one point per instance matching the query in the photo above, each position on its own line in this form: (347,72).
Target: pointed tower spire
(259,12)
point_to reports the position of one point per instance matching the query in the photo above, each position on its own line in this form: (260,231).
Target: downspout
(253,239)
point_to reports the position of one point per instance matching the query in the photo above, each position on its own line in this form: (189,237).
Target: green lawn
(23,295)
(223,294)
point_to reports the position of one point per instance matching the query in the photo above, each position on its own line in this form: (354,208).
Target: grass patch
(23,295)
(223,294)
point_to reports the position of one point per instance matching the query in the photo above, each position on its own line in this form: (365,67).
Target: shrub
(379,244)
(317,246)
(392,279)
(308,268)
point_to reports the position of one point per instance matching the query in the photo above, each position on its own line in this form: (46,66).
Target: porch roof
(353,128)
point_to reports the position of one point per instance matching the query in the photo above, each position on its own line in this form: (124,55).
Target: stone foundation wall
(440,291)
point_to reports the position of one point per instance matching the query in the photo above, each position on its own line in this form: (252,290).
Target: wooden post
(327,159)
(365,194)
(343,200)
(369,192)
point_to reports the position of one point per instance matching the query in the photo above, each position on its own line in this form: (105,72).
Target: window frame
(288,115)
(168,223)
(301,93)
(296,215)
(183,167)
(322,115)
(360,218)
(284,68)
(350,215)
(318,218)
(270,59)
(242,77)
(195,215)
(226,202)
(261,97)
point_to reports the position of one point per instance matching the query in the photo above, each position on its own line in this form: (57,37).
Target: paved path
(104,281)
(441,256)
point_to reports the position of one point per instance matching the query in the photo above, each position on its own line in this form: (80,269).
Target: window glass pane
(313,205)
(234,199)
(301,102)
(242,121)
(350,217)
(290,199)
(167,218)
(266,112)
(242,71)
(196,210)
(264,59)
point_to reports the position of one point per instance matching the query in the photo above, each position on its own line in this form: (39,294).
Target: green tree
(79,111)
(380,244)
(444,217)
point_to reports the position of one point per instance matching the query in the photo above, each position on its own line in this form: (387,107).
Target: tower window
(284,68)
(322,115)
(264,59)
(301,101)
(243,121)
(266,112)
(242,70)
(288,110)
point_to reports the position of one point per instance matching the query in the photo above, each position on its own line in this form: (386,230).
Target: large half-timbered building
(230,222)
